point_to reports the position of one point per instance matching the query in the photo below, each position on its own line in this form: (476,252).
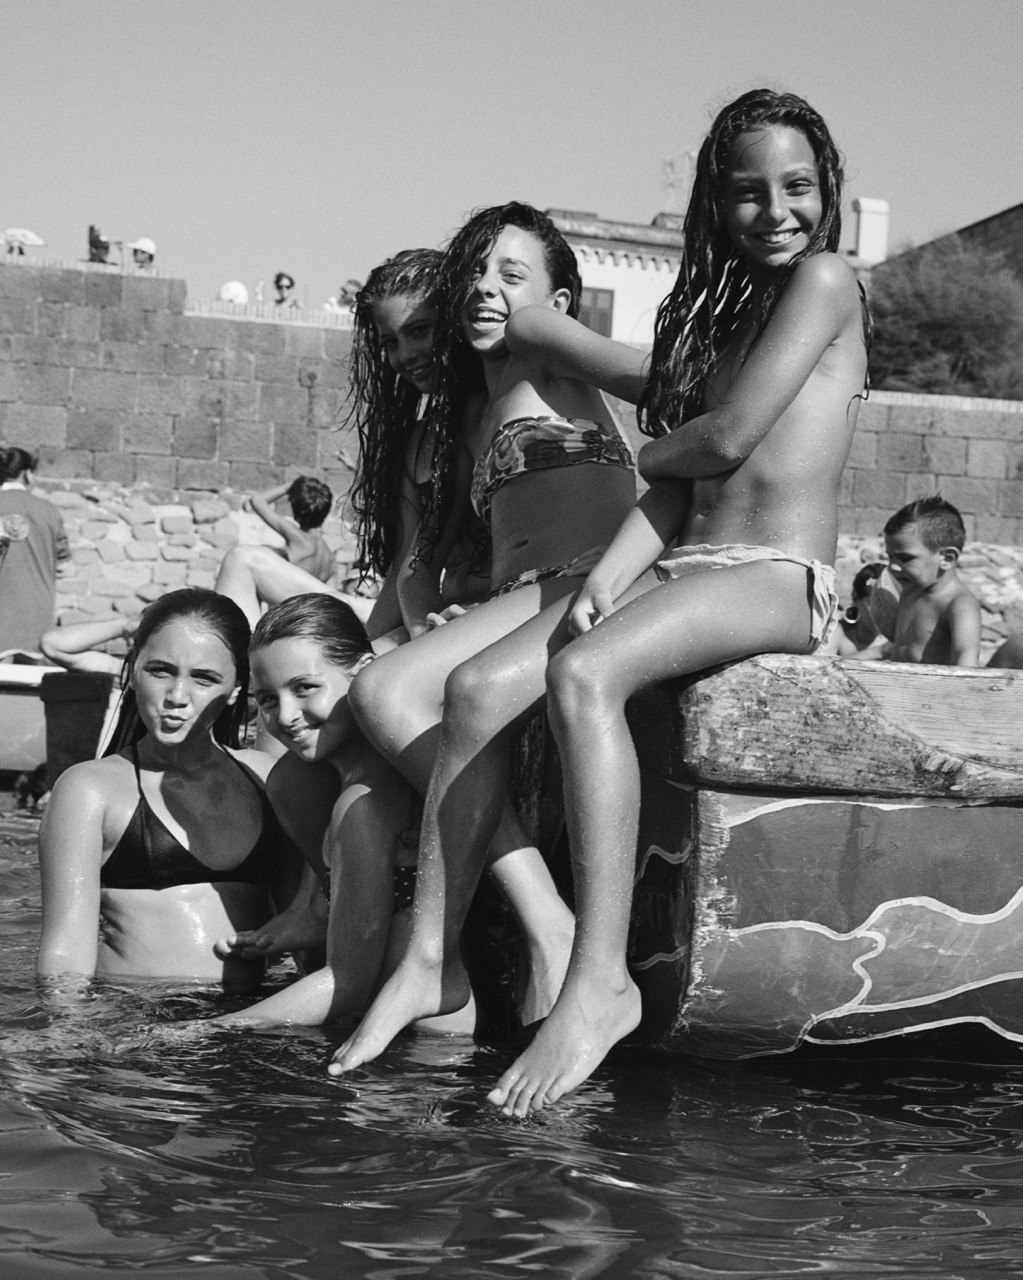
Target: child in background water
(938,618)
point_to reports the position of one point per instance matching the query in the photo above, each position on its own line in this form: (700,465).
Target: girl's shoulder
(93,781)
(826,272)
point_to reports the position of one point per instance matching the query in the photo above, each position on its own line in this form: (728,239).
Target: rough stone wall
(129,545)
(110,380)
(908,446)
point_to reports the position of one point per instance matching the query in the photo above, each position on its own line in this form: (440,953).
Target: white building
(627,270)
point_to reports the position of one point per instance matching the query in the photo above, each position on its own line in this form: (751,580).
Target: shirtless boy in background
(938,619)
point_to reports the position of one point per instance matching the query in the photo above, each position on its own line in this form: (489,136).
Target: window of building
(596,310)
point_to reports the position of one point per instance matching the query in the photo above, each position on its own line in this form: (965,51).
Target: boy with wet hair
(310,501)
(938,619)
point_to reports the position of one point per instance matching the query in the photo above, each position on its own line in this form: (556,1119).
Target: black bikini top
(149,855)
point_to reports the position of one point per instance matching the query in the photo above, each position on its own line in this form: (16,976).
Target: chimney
(871,230)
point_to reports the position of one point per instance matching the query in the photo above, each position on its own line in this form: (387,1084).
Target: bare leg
(677,628)
(253,576)
(464,805)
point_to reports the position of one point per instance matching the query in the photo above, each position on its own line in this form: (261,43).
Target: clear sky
(319,136)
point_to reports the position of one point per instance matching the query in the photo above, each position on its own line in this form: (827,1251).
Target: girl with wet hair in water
(150,855)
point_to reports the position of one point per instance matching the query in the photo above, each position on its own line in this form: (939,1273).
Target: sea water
(130,1145)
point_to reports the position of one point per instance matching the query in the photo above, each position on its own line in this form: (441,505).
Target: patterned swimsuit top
(538,444)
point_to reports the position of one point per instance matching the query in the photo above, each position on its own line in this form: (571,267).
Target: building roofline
(624,237)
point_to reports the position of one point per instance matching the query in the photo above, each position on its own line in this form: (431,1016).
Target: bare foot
(414,991)
(548,964)
(292,930)
(587,1020)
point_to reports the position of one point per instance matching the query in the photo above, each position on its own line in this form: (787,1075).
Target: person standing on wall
(32,544)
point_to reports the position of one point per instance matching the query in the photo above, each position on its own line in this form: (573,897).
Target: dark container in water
(76,704)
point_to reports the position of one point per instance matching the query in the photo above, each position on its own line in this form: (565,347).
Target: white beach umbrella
(21,235)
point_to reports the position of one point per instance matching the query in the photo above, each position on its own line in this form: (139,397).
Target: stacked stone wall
(111,380)
(908,446)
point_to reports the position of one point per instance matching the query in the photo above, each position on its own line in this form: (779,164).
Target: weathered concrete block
(195,437)
(944,455)
(81,324)
(986,459)
(287,406)
(103,289)
(146,533)
(204,331)
(304,341)
(45,384)
(978,497)
(76,355)
(148,293)
(59,462)
(16,316)
(280,368)
(103,389)
(249,476)
(181,540)
(156,394)
(263,340)
(132,357)
(150,591)
(119,467)
(44,425)
(194,474)
(884,490)
(125,323)
(84,555)
(179,361)
(149,433)
(50,319)
(900,451)
(200,578)
(994,529)
(95,429)
(244,441)
(1009,501)
(53,285)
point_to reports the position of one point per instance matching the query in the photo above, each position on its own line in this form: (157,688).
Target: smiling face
(514,275)
(912,563)
(303,698)
(183,677)
(772,198)
(405,325)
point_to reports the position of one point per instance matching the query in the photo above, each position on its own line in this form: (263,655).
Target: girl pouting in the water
(150,855)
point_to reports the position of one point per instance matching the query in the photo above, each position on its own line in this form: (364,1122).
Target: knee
(472,698)
(576,685)
(370,696)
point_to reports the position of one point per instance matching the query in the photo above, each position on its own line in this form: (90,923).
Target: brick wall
(110,380)
(908,446)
